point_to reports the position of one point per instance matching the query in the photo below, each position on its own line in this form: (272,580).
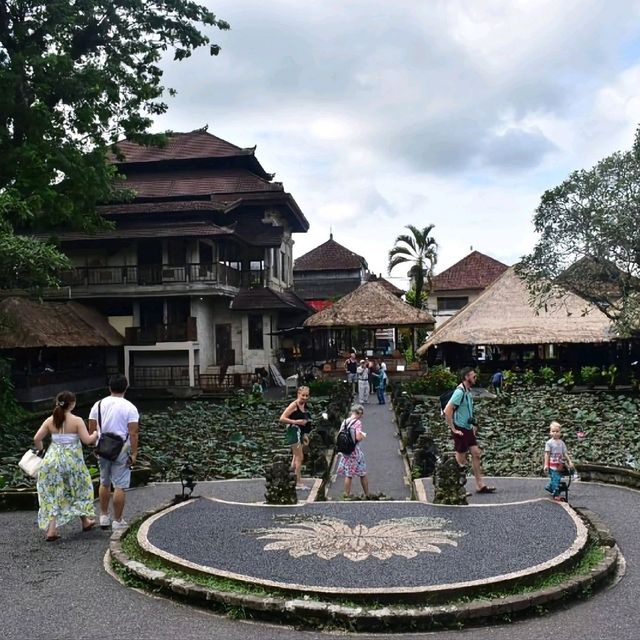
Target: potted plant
(529,377)
(547,375)
(589,375)
(567,380)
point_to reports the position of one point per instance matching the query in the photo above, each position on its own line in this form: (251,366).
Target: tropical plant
(436,381)
(589,375)
(75,78)
(548,375)
(567,380)
(420,251)
(508,378)
(529,377)
(610,374)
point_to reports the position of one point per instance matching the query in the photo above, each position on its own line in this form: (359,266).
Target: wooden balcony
(177,332)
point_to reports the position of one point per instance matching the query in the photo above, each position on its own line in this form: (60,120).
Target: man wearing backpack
(459,416)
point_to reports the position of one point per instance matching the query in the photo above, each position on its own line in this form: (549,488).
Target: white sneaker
(105,522)
(118,525)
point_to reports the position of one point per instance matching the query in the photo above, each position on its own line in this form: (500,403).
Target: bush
(436,381)
(529,377)
(322,387)
(548,376)
(589,375)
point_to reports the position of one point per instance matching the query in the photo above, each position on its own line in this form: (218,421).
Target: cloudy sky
(376,114)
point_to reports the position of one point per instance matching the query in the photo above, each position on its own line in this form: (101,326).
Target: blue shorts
(352,377)
(118,472)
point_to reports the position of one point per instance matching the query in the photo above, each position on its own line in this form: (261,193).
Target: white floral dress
(64,484)
(353,464)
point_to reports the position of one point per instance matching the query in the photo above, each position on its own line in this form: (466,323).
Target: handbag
(30,463)
(109,444)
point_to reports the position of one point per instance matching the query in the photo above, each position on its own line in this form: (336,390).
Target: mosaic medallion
(331,537)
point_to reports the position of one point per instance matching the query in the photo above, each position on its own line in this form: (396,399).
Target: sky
(375,114)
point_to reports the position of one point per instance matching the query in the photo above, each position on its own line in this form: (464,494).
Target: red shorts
(463,443)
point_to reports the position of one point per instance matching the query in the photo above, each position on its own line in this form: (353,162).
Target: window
(452,304)
(255,332)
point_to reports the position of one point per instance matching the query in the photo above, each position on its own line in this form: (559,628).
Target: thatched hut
(371,306)
(503,319)
(55,345)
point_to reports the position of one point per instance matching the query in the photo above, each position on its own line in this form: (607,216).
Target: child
(556,458)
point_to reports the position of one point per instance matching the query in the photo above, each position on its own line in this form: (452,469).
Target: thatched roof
(503,315)
(26,324)
(372,306)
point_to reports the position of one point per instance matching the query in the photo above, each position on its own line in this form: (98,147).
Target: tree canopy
(420,251)
(589,240)
(76,76)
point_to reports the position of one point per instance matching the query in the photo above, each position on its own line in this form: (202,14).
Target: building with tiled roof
(462,283)
(327,273)
(196,268)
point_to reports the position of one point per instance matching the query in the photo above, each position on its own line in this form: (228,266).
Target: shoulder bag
(109,444)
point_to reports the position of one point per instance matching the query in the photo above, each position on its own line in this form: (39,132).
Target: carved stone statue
(281,481)
(425,455)
(449,481)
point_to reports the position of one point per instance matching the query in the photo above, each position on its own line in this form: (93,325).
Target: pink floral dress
(354,464)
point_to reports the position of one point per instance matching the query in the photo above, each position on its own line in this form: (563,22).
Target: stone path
(58,591)
(385,465)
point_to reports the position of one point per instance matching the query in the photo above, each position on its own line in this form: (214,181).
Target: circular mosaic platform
(362,548)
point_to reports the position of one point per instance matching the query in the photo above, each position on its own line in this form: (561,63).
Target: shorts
(352,377)
(116,472)
(463,443)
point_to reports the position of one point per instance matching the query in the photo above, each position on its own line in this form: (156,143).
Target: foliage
(323,387)
(513,432)
(529,377)
(567,379)
(589,375)
(410,298)
(419,250)
(589,235)
(509,377)
(75,78)
(436,381)
(547,375)
(610,374)
(409,355)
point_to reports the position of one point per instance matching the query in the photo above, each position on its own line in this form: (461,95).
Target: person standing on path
(464,427)
(382,377)
(363,383)
(64,484)
(296,415)
(120,417)
(354,463)
(556,459)
(351,368)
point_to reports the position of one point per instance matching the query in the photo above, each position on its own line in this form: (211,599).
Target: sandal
(92,523)
(52,538)
(486,489)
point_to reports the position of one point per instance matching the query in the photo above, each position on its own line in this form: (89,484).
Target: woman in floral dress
(354,464)
(64,484)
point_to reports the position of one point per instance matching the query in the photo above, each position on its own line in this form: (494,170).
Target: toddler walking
(556,458)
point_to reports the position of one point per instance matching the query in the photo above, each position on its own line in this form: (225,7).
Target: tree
(589,240)
(420,250)
(76,76)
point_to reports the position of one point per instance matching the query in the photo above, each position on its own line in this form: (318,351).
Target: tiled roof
(196,182)
(325,288)
(389,286)
(174,206)
(264,298)
(157,230)
(329,256)
(182,146)
(475,271)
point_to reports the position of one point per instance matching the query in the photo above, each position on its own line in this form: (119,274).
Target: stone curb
(620,476)
(317,613)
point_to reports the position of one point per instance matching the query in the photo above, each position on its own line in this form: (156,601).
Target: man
(459,416)
(118,416)
(363,383)
(351,367)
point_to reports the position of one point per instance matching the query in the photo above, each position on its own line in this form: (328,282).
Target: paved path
(58,591)
(385,465)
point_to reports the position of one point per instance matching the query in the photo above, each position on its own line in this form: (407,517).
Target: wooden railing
(157,274)
(159,377)
(177,332)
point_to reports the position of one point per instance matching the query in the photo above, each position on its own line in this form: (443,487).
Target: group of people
(366,376)
(64,486)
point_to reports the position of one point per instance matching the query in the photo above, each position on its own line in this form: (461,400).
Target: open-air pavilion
(507,328)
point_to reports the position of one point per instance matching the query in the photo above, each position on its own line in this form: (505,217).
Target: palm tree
(421,251)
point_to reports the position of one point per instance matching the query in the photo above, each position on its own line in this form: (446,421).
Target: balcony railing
(177,332)
(178,376)
(158,274)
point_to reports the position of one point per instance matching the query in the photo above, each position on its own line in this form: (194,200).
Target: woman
(64,483)
(354,464)
(297,417)
(382,377)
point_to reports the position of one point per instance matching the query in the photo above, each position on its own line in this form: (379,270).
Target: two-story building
(197,270)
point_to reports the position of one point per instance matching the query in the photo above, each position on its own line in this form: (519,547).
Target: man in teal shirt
(459,416)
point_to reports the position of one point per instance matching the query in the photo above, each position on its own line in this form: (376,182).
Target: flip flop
(52,538)
(486,489)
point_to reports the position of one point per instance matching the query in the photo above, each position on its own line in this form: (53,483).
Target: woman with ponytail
(64,484)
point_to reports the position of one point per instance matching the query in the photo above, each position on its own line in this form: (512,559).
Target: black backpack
(445,397)
(345,442)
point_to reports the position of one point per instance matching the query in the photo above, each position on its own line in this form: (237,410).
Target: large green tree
(589,240)
(76,76)
(420,251)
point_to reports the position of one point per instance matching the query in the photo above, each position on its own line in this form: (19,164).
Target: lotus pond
(597,427)
(236,439)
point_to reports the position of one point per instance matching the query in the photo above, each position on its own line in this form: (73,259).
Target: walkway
(60,590)
(385,465)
